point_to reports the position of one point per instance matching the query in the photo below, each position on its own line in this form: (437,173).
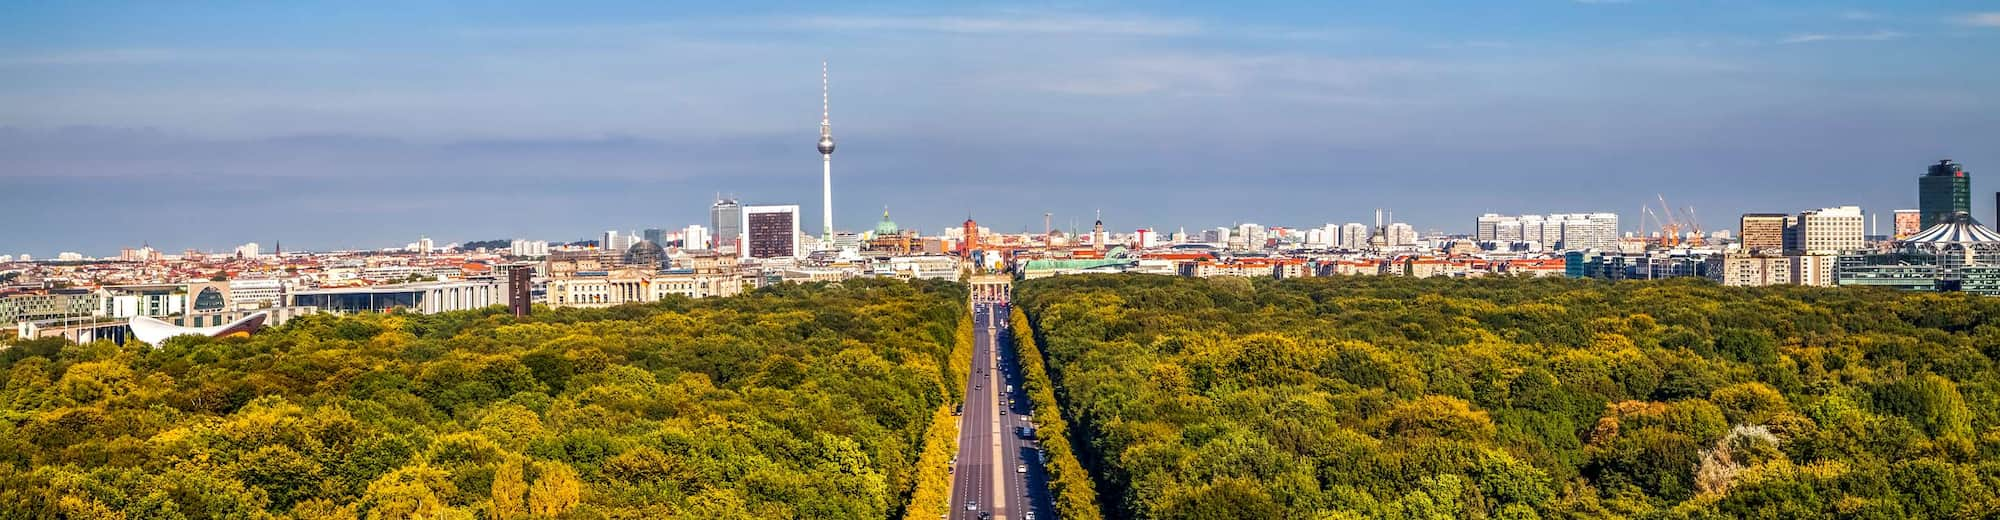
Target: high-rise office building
(1827,231)
(1908,222)
(726,218)
(1944,190)
(655,235)
(770,232)
(1763,232)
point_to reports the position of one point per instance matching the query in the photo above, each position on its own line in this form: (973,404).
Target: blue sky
(335,125)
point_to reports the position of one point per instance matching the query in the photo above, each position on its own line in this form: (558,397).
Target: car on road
(1003,411)
(1028,515)
(971,506)
(1019,469)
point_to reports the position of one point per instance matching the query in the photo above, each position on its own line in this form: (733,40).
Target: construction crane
(1670,227)
(1694,226)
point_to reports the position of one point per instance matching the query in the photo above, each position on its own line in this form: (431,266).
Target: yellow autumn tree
(555,491)
(510,490)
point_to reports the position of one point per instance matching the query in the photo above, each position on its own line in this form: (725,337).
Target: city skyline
(294,131)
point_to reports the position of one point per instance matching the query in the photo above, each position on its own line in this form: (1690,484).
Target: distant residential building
(770,232)
(1400,234)
(1943,191)
(257,293)
(250,250)
(1763,232)
(1753,270)
(1216,236)
(1908,222)
(1249,267)
(1353,236)
(1556,231)
(529,248)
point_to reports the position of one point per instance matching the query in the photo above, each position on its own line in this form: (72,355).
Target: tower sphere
(825,145)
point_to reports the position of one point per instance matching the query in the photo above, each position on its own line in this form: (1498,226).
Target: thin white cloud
(1876,36)
(94,57)
(1991,19)
(146,56)
(1085,25)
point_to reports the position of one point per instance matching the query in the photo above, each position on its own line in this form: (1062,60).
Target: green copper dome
(886,227)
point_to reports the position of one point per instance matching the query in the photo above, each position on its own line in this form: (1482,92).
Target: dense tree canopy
(1373,397)
(789,402)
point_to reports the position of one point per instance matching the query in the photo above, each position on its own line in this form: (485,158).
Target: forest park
(789,402)
(1395,398)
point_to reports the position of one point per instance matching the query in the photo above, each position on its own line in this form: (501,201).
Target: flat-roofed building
(422,298)
(770,232)
(1763,232)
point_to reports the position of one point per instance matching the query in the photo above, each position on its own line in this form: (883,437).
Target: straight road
(998,472)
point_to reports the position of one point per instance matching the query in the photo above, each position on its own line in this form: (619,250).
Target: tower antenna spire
(825,102)
(826,157)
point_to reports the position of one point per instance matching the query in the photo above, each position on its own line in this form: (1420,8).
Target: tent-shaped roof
(154,331)
(1959,229)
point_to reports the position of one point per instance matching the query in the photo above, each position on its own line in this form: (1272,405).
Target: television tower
(826,157)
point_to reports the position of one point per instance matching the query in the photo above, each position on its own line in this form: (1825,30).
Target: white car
(971,506)
(1021,468)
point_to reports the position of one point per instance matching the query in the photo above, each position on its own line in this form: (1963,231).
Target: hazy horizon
(328,126)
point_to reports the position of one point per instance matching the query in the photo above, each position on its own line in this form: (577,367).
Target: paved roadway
(990,451)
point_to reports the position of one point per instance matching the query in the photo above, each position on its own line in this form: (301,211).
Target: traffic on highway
(998,472)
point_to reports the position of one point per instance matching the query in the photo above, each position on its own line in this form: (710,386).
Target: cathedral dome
(886,227)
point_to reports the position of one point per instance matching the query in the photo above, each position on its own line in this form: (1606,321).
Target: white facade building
(1829,230)
(1561,230)
(1400,234)
(1353,235)
(529,248)
(695,237)
(255,294)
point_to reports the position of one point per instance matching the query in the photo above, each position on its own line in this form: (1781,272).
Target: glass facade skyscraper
(1943,191)
(726,218)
